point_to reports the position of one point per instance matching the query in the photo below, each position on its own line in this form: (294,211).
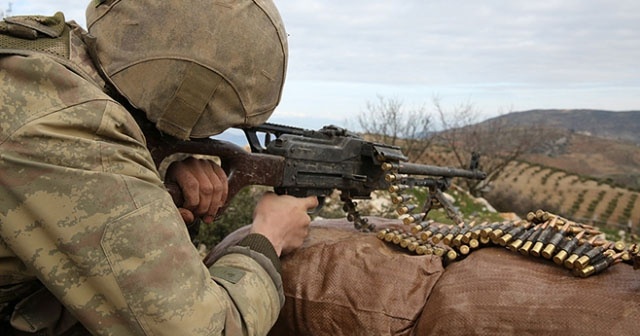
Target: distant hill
(621,126)
(599,144)
(591,172)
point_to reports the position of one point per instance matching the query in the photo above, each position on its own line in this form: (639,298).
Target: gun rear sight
(271,131)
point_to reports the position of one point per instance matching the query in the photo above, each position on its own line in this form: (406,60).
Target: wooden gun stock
(242,168)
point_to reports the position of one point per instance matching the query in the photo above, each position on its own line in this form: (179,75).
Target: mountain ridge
(614,125)
(590,172)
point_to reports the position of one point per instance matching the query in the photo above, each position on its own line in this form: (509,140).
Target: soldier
(88,232)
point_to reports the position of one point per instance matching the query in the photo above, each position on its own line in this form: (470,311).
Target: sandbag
(344,282)
(496,292)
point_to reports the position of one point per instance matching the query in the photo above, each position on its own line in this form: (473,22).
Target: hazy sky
(498,55)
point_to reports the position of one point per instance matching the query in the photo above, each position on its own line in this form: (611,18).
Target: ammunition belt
(578,247)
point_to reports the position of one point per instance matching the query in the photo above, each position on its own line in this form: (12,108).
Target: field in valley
(582,199)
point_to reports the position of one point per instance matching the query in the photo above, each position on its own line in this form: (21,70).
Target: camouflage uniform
(84,211)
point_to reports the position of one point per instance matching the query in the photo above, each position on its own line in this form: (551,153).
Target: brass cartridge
(407,240)
(578,252)
(438,251)
(421,227)
(433,229)
(486,231)
(590,255)
(528,244)
(498,232)
(413,246)
(566,248)
(525,248)
(598,266)
(382,233)
(391,177)
(399,199)
(388,237)
(536,249)
(396,188)
(470,234)
(457,240)
(452,255)
(388,166)
(475,231)
(568,263)
(464,249)
(541,240)
(464,229)
(413,218)
(519,240)
(553,243)
(626,256)
(405,209)
(485,240)
(507,237)
(465,234)
(560,257)
(424,250)
(440,234)
(398,238)
(450,235)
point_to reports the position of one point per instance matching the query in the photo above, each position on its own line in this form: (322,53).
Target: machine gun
(303,162)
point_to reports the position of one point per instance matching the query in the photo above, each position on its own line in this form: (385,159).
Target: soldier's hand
(204,188)
(283,220)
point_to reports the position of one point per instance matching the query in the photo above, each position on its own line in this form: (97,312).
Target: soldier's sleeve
(81,204)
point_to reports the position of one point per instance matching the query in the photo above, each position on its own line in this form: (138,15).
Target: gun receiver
(302,162)
(319,162)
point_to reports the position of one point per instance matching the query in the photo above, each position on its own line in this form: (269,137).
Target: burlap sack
(497,292)
(343,282)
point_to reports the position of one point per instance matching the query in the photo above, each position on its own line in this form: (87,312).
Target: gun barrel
(420,169)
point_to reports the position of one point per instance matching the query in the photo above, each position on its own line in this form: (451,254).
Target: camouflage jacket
(84,211)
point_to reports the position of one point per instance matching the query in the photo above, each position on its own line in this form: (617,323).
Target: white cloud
(520,53)
(448,42)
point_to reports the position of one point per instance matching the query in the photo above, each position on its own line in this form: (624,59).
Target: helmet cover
(194,67)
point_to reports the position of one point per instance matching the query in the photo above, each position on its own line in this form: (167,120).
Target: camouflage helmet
(195,67)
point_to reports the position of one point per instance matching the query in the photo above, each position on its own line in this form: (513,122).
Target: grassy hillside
(575,196)
(586,178)
(616,162)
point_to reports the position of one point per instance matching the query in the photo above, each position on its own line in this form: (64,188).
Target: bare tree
(497,141)
(387,121)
